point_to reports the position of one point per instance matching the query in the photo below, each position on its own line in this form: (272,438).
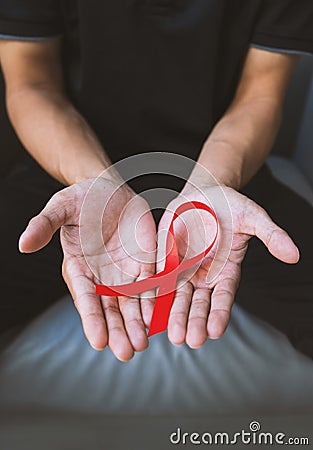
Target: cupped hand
(127,231)
(205,295)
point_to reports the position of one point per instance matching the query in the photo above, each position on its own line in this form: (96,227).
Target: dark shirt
(156,75)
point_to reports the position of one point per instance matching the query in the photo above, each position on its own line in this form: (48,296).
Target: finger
(177,324)
(133,321)
(222,299)
(147,301)
(118,340)
(278,242)
(89,308)
(42,227)
(198,318)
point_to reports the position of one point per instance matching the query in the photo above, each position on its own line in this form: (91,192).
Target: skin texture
(118,322)
(202,309)
(233,152)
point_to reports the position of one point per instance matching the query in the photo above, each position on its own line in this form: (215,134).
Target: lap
(279,293)
(28,282)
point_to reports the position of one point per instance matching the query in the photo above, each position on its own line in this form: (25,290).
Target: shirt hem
(284,43)
(28,29)
(281,50)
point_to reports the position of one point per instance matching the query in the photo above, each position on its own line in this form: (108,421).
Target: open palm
(128,254)
(205,294)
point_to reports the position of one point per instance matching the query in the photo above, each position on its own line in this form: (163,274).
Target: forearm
(55,134)
(244,136)
(241,141)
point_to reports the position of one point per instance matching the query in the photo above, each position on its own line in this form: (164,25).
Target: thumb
(277,241)
(42,227)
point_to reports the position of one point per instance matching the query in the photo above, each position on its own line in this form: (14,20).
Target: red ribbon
(166,279)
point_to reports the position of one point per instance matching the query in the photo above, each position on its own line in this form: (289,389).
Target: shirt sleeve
(285,25)
(30,19)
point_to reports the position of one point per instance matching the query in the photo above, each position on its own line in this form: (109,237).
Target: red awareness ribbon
(165,280)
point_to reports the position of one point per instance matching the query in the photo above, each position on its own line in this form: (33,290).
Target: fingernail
(177,335)
(20,243)
(214,331)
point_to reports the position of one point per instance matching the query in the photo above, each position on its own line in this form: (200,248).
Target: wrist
(72,175)
(88,166)
(214,175)
(216,179)
(219,164)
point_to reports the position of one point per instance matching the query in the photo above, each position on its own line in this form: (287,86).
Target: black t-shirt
(156,75)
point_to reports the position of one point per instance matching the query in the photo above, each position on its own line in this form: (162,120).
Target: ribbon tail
(161,313)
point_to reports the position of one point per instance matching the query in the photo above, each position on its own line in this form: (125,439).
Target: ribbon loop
(165,280)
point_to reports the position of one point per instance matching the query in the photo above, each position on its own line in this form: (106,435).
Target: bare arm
(59,138)
(50,128)
(242,139)
(233,152)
